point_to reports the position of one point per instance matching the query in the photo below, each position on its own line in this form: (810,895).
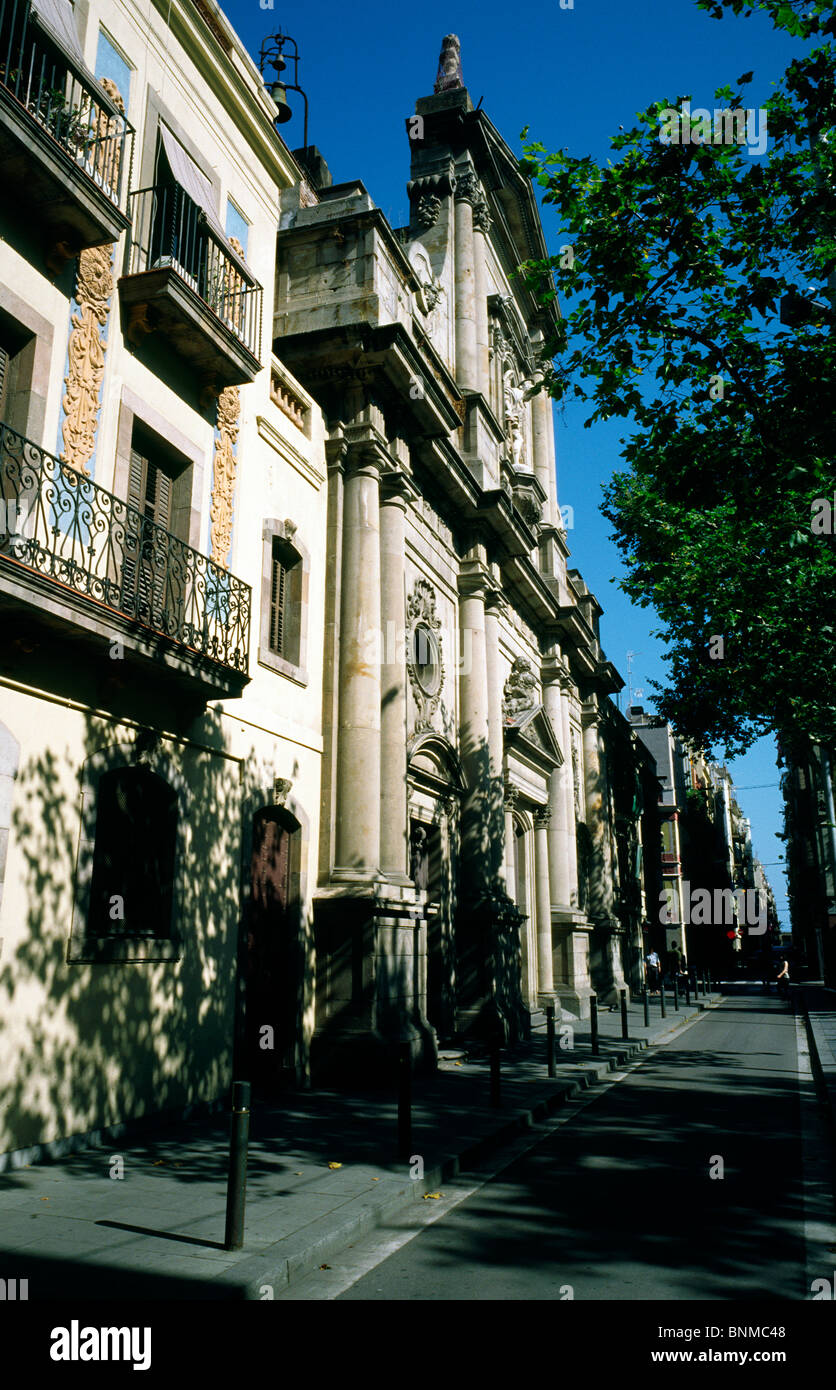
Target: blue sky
(573,76)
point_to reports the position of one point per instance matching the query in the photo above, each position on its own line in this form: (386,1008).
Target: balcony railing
(65,100)
(169,230)
(63,526)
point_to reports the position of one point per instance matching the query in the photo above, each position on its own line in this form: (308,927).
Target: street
(703,1174)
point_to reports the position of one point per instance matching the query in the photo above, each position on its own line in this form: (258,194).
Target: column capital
(542,817)
(511,795)
(397,488)
(474,580)
(467,187)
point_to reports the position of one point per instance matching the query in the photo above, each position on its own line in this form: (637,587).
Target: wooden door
(272,983)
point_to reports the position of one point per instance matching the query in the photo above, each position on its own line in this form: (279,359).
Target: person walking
(653,967)
(782,979)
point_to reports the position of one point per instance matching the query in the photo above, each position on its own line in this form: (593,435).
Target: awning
(191,179)
(56,18)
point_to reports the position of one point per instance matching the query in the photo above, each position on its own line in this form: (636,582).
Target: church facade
(468,856)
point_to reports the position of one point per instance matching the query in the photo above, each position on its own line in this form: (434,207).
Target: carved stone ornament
(427,210)
(482,217)
(424,661)
(86,356)
(468,188)
(281,790)
(510,796)
(449,65)
(520,690)
(530,510)
(542,816)
(515,417)
(223,482)
(576,773)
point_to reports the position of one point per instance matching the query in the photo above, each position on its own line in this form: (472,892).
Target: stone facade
(155,461)
(468,854)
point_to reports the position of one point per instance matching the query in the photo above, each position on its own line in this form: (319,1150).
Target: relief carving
(520,690)
(86,356)
(424,662)
(223,481)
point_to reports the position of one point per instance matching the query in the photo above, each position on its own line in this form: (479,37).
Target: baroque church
(466,847)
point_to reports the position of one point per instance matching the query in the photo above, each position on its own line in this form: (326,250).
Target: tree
(700,280)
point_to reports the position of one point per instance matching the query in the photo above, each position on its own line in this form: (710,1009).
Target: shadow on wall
(94,1042)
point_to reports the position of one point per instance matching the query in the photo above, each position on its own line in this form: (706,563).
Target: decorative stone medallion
(424,661)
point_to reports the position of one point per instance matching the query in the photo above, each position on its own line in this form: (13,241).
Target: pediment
(531,730)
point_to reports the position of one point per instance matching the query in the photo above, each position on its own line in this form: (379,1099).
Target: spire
(449,65)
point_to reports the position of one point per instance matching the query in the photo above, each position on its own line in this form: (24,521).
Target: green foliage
(682,255)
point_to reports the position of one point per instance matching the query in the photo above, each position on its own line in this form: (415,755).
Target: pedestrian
(782,979)
(653,967)
(674,962)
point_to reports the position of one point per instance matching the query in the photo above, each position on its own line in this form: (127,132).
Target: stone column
(481,227)
(510,865)
(542,894)
(357,851)
(393,792)
(544,459)
(561,833)
(480,816)
(494,606)
(600,893)
(466,194)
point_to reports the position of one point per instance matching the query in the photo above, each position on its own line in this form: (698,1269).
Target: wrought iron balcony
(184,280)
(70,547)
(65,145)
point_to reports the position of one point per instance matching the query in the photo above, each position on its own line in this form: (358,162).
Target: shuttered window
(133,866)
(146,555)
(278,590)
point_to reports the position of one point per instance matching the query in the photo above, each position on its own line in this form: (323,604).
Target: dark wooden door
(272,1005)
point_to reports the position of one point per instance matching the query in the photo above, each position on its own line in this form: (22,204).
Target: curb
(301,1255)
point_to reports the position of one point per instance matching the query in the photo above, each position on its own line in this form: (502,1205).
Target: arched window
(132,888)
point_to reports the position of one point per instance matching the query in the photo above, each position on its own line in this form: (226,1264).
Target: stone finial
(449,65)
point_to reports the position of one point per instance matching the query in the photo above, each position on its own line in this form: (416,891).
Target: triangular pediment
(531,730)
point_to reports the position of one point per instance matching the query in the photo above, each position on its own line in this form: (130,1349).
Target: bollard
(676,994)
(646,1008)
(404,1100)
(708,978)
(705,988)
(593,1023)
(662,1000)
(236,1187)
(625,1031)
(550,1038)
(688,990)
(496,1075)
(696,985)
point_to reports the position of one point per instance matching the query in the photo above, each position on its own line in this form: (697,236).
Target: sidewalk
(820,1012)
(73,1230)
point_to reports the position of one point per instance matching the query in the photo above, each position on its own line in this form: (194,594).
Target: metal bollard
(676,994)
(705,988)
(496,1074)
(625,1030)
(688,990)
(696,985)
(404,1100)
(236,1187)
(593,1023)
(662,1000)
(550,1038)
(646,1008)
(708,978)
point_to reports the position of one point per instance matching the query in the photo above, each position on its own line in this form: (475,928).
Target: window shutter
(162,499)
(277,599)
(4,377)
(131,580)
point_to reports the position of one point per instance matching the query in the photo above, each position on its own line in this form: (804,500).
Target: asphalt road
(621,1202)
